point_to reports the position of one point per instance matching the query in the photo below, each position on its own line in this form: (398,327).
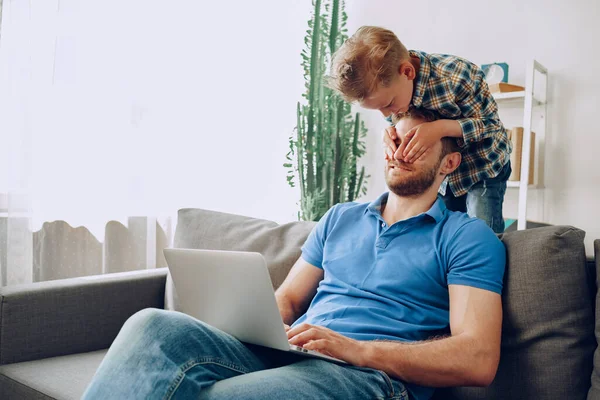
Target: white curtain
(115,114)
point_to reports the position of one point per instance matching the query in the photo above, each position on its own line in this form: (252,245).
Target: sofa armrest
(596,268)
(597,252)
(69,316)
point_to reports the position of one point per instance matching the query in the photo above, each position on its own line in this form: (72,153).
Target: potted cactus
(328,139)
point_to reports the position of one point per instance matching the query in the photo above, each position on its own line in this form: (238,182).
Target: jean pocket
(397,390)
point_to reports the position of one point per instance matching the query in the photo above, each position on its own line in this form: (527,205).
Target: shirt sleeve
(477,105)
(476,257)
(312,250)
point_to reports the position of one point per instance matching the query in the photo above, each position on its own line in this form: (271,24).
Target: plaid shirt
(456,89)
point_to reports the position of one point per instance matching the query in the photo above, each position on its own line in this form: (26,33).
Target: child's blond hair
(370,58)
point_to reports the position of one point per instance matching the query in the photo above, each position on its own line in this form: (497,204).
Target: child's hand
(418,140)
(389,142)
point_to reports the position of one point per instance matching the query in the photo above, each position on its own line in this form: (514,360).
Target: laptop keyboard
(315,353)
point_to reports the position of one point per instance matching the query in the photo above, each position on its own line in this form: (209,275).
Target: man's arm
(297,291)
(300,286)
(469,357)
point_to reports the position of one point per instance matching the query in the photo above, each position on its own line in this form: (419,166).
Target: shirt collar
(436,211)
(375,206)
(422,78)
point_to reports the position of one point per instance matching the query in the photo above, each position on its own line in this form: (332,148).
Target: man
(405,291)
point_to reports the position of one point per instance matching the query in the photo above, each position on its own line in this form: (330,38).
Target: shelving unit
(530,99)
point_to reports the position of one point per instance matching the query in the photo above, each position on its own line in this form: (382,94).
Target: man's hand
(418,140)
(328,342)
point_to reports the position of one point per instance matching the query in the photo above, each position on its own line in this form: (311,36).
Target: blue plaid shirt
(456,89)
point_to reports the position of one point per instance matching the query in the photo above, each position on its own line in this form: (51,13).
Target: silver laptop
(232,291)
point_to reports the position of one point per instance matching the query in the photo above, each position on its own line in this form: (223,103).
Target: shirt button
(383,224)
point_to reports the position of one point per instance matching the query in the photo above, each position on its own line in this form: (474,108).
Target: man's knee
(166,325)
(155,323)
(146,317)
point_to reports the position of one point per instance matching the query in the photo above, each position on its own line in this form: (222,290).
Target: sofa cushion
(64,377)
(594,392)
(548,329)
(204,229)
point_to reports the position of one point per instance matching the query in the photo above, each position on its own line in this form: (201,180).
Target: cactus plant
(328,139)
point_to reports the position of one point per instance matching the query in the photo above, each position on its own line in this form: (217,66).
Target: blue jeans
(484,200)
(168,355)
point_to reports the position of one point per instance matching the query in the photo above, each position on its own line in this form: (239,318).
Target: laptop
(232,291)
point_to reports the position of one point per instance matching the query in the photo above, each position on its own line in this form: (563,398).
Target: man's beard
(414,185)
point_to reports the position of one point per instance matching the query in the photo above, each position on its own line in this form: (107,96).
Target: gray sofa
(53,335)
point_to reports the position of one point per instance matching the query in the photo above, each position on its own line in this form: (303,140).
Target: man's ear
(407,69)
(450,163)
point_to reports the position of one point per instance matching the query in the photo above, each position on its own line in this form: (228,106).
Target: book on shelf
(516,138)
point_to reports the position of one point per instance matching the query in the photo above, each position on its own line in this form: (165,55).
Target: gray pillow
(204,229)
(594,393)
(548,329)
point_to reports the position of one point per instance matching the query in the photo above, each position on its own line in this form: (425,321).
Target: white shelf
(509,95)
(514,96)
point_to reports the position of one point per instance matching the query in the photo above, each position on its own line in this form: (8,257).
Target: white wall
(142,107)
(563,36)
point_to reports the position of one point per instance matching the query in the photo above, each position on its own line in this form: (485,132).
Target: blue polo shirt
(391,282)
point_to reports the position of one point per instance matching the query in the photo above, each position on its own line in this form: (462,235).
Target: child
(375,69)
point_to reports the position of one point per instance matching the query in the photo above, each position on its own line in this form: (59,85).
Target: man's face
(393,99)
(415,178)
